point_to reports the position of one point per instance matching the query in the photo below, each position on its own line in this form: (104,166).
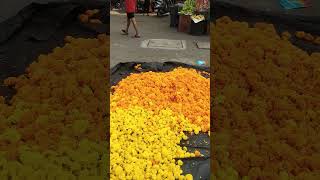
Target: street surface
(126,49)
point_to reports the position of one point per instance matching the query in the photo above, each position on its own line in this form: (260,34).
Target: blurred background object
(9,8)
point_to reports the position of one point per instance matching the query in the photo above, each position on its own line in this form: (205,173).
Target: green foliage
(188,7)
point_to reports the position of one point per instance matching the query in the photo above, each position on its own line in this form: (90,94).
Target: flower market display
(150,114)
(193,17)
(55,127)
(267,104)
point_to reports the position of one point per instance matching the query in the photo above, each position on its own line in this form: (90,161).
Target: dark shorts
(130,15)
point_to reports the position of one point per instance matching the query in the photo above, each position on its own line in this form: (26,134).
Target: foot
(136,36)
(124,32)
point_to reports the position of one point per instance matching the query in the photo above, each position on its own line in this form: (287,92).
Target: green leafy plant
(188,7)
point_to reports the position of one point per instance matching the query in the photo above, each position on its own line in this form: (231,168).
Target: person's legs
(134,23)
(148,6)
(125,31)
(128,25)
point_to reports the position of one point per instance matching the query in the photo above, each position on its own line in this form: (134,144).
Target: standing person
(146,8)
(130,10)
(121,5)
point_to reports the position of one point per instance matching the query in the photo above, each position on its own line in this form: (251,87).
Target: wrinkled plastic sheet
(198,167)
(38,28)
(282,20)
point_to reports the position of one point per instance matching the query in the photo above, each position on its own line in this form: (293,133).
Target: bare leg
(126,30)
(135,26)
(128,25)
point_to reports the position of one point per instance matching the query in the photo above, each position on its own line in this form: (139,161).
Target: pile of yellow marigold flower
(55,127)
(266,106)
(150,113)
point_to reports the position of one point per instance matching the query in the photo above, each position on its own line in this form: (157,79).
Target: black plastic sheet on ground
(198,167)
(282,21)
(38,28)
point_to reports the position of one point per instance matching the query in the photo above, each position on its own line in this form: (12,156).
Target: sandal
(124,32)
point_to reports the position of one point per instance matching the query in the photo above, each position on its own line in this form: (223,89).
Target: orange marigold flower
(182,90)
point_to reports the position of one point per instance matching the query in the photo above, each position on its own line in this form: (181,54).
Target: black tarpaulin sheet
(198,167)
(282,20)
(38,28)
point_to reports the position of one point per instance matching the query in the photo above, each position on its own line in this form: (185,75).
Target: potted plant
(199,23)
(185,15)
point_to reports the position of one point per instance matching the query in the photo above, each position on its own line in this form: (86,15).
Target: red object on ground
(131,6)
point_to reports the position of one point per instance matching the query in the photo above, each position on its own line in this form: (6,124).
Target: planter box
(184,23)
(198,29)
(206,15)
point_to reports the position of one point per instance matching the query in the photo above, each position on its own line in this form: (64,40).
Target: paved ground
(126,49)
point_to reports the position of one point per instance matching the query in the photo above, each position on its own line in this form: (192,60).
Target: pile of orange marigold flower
(182,90)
